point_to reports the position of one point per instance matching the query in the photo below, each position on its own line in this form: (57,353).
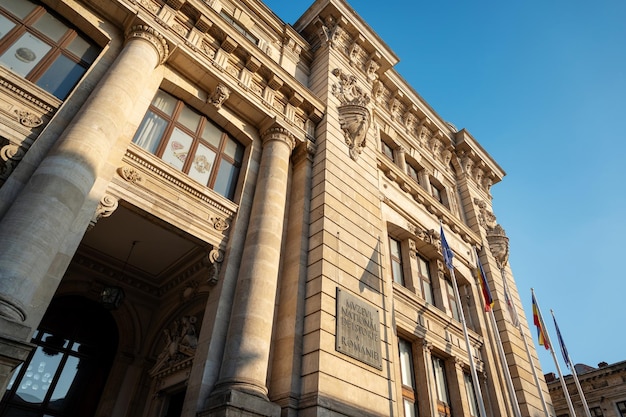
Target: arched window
(66,372)
(42,48)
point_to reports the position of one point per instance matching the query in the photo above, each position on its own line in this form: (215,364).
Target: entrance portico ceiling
(159,251)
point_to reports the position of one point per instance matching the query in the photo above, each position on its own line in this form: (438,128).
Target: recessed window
(387,150)
(596,412)
(621,407)
(471,395)
(423,271)
(396,261)
(407,374)
(191,143)
(413,171)
(39,46)
(454,307)
(441,385)
(238,26)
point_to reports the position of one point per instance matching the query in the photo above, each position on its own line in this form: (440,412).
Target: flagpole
(518,325)
(505,366)
(571,366)
(499,245)
(556,362)
(447,256)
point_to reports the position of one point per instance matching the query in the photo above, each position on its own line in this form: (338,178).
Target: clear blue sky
(542,86)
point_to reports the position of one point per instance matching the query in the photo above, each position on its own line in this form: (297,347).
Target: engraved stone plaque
(358,329)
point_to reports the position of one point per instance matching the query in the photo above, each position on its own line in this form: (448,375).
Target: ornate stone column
(246,358)
(38,222)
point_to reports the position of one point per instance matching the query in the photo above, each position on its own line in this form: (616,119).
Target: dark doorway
(65,374)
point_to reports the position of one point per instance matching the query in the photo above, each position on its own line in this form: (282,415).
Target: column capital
(304,151)
(151,35)
(277,132)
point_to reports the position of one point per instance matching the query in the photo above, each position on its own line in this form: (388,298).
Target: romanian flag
(484,285)
(541,328)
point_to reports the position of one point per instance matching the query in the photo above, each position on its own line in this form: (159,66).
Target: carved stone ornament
(107,205)
(129,174)
(219,96)
(347,90)
(28,119)
(220,224)
(10,156)
(180,342)
(215,259)
(354,117)
(327,30)
(486,218)
(499,245)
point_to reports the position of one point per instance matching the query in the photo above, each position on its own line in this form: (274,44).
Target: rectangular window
(471,395)
(437,193)
(621,407)
(423,271)
(409,395)
(596,412)
(443,401)
(191,143)
(42,48)
(454,308)
(387,150)
(412,172)
(396,261)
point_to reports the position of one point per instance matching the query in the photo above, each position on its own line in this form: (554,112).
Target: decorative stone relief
(28,119)
(215,259)
(220,223)
(10,156)
(129,174)
(499,245)
(354,117)
(485,217)
(180,340)
(219,96)
(107,205)
(371,69)
(328,30)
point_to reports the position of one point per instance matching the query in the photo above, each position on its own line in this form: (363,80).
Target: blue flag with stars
(447,252)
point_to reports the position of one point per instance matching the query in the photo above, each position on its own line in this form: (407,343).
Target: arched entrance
(66,372)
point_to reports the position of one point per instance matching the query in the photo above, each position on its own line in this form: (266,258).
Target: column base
(232,403)
(13,349)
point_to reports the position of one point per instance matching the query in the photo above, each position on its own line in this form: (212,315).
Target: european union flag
(447,252)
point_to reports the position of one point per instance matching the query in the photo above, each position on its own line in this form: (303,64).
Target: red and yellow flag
(541,328)
(484,285)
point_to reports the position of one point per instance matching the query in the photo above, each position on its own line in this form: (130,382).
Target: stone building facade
(205,211)
(604,389)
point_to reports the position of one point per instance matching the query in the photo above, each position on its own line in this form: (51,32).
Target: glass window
(396,261)
(471,396)
(42,48)
(239,28)
(423,271)
(387,150)
(191,143)
(621,407)
(596,412)
(412,172)
(443,402)
(454,308)
(408,380)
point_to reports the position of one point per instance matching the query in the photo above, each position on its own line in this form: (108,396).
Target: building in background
(604,388)
(205,211)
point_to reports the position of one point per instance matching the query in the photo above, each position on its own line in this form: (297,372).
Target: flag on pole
(541,328)
(447,252)
(484,285)
(561,342)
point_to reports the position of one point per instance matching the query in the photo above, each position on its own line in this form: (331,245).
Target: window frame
(173,122)
(58,49)
(425,279)
(409,392)
(396,261)
(444,405)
